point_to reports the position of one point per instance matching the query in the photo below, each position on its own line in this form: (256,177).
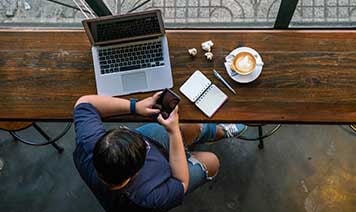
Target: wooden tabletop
(308,76)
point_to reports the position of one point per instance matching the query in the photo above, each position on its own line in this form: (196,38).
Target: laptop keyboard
(132,57)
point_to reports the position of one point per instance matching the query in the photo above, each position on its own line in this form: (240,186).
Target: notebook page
(211,100)
(195,86)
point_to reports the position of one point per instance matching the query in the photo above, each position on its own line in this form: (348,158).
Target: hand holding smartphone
(166,103)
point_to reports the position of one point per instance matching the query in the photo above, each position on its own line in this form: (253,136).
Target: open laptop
(130,53)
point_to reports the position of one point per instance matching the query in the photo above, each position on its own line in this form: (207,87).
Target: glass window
(185,13)
(43,13)
(177,13)
(325,13)
(217,13)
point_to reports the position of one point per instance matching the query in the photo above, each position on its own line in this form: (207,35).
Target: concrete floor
(302,168)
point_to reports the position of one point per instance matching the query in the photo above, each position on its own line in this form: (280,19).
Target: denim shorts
(198,174)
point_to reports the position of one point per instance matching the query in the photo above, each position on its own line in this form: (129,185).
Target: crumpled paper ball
(209,56)
(207,45)
(193,51)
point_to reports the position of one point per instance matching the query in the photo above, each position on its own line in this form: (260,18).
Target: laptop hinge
(129,41)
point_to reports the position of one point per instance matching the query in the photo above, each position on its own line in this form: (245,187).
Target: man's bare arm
(113,106)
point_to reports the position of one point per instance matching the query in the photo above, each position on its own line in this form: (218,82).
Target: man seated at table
(145,169)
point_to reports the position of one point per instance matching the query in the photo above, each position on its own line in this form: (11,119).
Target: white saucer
(244,78)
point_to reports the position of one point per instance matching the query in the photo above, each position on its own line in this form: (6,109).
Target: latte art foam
(245,63)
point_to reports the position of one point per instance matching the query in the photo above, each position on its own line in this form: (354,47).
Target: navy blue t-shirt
(152,187)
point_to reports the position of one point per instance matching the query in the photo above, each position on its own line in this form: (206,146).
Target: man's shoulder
(85,108)
(88,125)
(89,130)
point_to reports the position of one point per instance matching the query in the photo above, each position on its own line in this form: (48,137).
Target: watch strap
(133,105)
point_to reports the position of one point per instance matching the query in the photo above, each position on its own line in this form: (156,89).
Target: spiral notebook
(205,95)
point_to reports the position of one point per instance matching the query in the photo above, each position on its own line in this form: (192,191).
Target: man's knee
(214,164)
(210,161)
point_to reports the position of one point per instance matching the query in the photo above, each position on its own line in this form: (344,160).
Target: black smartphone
(167,101)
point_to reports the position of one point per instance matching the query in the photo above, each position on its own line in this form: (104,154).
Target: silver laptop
(130,53)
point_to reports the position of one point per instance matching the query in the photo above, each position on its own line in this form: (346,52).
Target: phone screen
(168,101)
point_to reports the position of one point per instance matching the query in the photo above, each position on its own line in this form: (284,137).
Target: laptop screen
(125,27)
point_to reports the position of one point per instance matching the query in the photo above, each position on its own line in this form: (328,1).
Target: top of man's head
(119,155)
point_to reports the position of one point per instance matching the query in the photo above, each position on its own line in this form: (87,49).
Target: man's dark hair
(119,155)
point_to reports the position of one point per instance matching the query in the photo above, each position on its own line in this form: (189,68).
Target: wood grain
(14,125)
(308,76)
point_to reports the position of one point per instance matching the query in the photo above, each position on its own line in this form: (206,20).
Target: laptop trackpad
(134,81)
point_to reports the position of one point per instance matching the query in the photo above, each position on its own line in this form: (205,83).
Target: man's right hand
(145,107)
(172,122)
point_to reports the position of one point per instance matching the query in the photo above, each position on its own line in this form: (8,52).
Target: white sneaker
(233,130)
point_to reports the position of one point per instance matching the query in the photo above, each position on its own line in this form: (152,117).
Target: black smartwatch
(133,105)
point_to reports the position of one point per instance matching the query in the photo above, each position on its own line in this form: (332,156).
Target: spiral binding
(206,91)
(202,92)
